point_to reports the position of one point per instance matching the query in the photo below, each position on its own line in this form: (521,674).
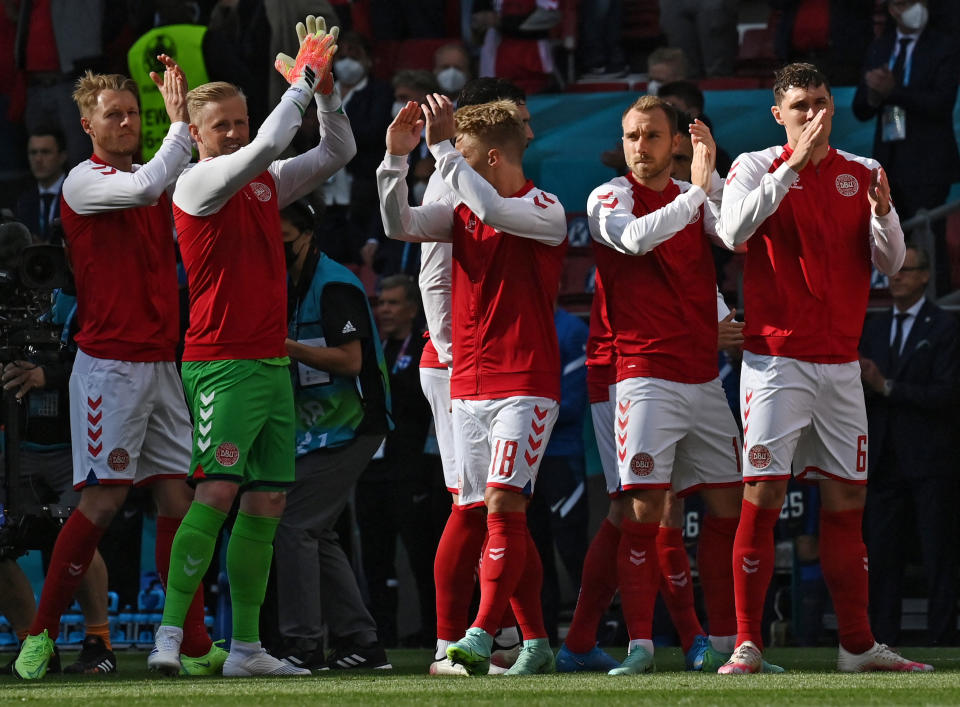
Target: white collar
(912,311)
(53,188)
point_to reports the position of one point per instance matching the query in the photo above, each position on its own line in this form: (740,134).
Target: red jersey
(428,357)
(811,238)
(654,258)
(238,276)
(601,357)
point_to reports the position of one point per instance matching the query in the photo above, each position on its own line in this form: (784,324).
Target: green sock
(248,567)
(190,556)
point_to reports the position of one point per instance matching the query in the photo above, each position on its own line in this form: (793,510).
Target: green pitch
(811,680)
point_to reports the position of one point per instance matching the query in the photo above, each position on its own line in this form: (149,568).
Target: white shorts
(129,422)
(675,435)
(436,388)
(603,422)
(810,416)
(500,443)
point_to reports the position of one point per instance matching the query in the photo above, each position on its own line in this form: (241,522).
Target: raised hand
(403,135)
(702,166)
(173,87)
(803,150)
(699,132)
(879,192)
(438,112)
(314,58)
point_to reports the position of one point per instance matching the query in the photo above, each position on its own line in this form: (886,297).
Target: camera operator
(39,383)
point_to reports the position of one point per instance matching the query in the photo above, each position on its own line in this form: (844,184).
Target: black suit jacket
(919,418)
(28,211)
(929,154)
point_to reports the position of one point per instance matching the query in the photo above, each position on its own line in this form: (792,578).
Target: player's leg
(676,581)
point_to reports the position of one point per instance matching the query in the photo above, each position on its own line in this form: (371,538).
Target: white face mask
(349,71)
(653,86)
(397,107)
(451,79)
(915,17)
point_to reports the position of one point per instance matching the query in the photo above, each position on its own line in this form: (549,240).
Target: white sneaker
(880,657)
(447,667)
(746,659)
(245,665)
(165,656)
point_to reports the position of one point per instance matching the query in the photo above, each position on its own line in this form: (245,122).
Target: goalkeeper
(235,374)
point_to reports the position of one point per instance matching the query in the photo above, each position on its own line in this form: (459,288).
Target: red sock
(676,585)
(453,570)
(526,602)
(597,588)
(502,566)
(715,563)
(753,558)
(509,619)
(639,573)
(843,558)
(72,554)
(196,640)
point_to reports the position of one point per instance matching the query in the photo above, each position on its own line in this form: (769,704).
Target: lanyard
(403,350)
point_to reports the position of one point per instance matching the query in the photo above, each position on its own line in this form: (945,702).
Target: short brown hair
(210,93)
(88,88)
(648,103)
(497,123)
(797,75)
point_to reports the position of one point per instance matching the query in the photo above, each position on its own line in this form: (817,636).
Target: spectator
(706,32)
(601,52)
(39,204)
(515,43)
(340,397)
(910,361)
(910,85)
(393,496)
(664,65)
(451,65)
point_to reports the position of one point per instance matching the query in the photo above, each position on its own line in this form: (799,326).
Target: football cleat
(94,659)
(595,660)
(34,657)
(880,657)
(372,657)
(472,651)
(246,665)
(165,656)
(536,657)
(447,667)
(744,660)
(638,661)
(209,664)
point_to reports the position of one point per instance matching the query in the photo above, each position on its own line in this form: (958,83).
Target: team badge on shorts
(227,454)
(261,191)
(759,456)
(847,185)
(641,464)
(118,459)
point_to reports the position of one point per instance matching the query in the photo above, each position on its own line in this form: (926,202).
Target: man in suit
(910,85)
(39,204)
(910,361)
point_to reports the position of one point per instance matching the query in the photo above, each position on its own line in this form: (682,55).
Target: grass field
(811,680)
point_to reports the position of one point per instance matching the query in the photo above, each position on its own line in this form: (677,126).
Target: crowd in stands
(901,55)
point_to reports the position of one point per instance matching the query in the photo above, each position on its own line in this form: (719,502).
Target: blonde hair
(210,93)
(497,124)
(648,104)
(89,86)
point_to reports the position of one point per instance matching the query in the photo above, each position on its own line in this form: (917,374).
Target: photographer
(37,378)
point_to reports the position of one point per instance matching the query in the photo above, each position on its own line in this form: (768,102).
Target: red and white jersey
(601,356)
(506,274)
(120,236)
(228,224)
(436,273)
(654,257)
(810,241)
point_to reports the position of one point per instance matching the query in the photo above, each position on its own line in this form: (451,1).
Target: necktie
(897,341)
(46,201)
(901,60)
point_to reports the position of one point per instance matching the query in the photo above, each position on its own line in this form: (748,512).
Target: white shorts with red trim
(603,422)
(806,416)
(675,435)
(500,443)
(129,422)
(436,388)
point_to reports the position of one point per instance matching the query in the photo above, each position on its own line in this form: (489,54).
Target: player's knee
(723,502)
(504,501)
(99,504)
(646,505)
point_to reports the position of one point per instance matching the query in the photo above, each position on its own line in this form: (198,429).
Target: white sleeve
(430,222)
(205,189)
(302,174)
(613,223)
(722,309)
(92,188)
(541,218)
(436,264)
(886,242)
(751,195)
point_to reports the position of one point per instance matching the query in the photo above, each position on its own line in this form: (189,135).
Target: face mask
(397,107)
(349,71)
(417,191)
(915,17)
(289,253)
(653,86)
(451,79)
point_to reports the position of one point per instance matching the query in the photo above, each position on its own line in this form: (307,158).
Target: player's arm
(751,195)
(343,353)
(436,265)
(302,174)
(430,222)
(540,218)
(887,248)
